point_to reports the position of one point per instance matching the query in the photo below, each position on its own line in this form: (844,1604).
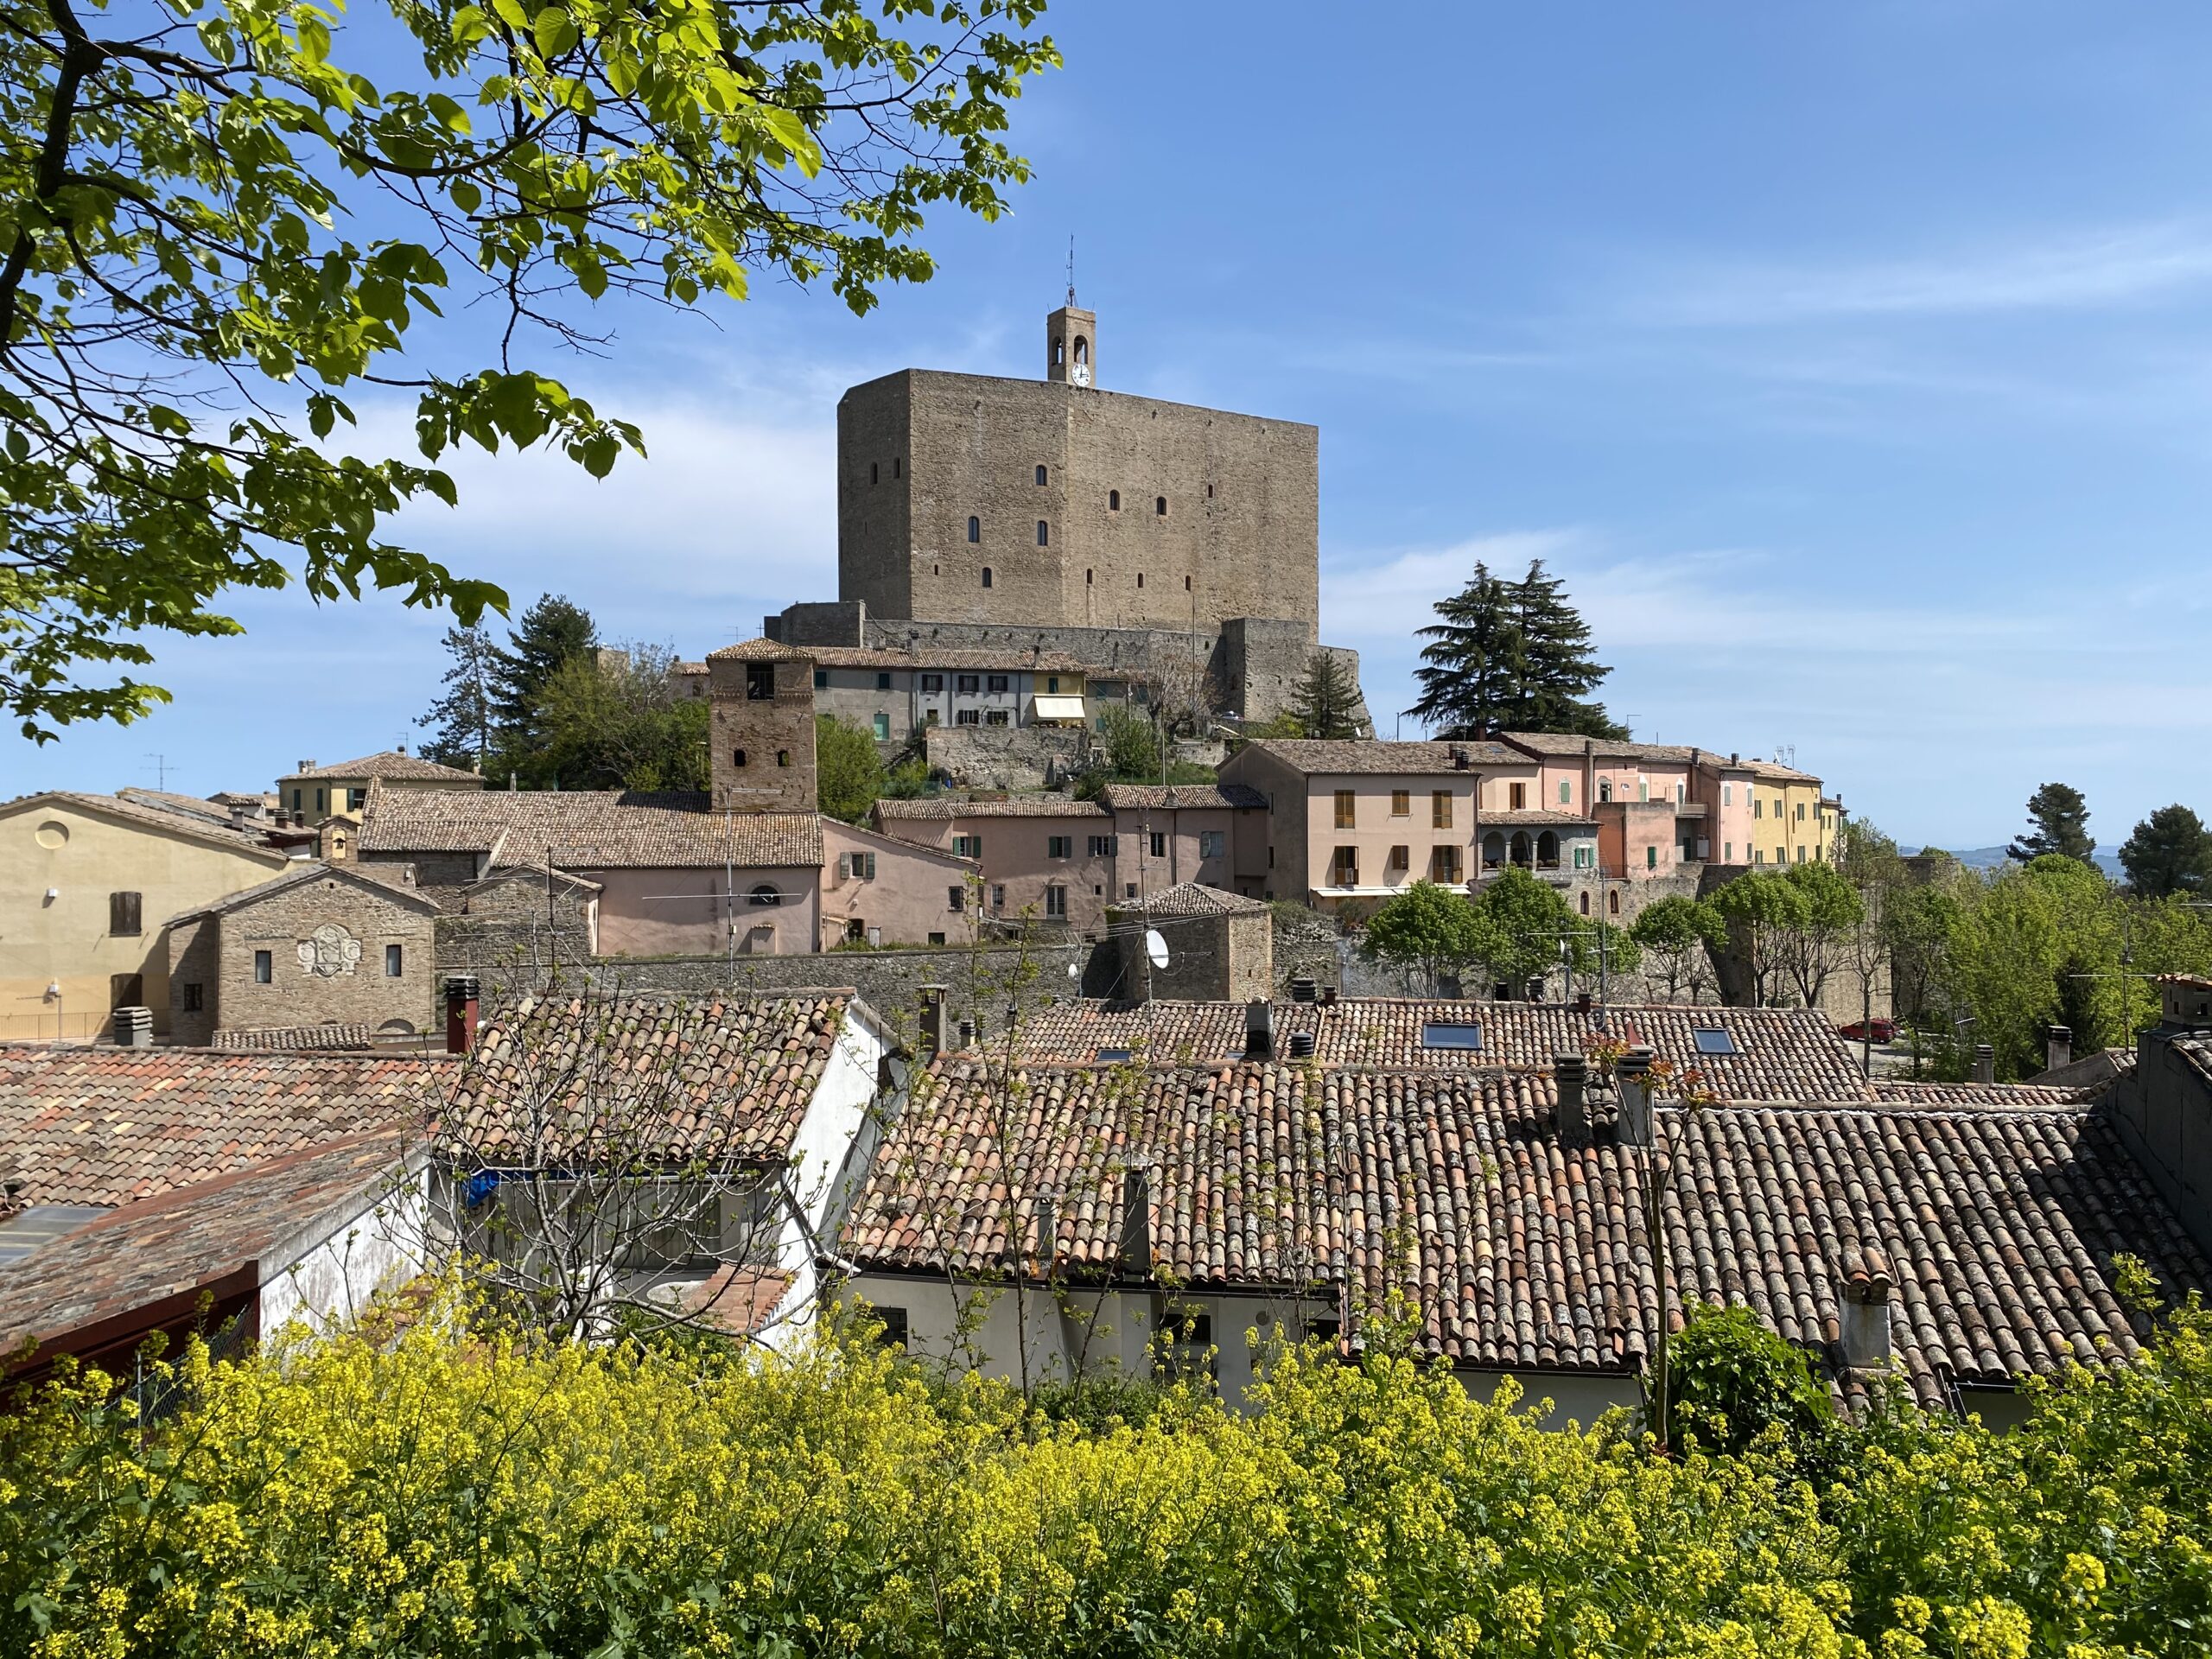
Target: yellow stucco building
(313,793)
(1792,823)
(87,885)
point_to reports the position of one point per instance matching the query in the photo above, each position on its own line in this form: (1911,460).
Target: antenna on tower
(1070,271)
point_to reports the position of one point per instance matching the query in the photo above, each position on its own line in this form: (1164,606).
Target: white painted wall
(327,1274)
(1576,1399)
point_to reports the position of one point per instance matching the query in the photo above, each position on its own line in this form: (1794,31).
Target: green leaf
(465,196)
(556,32)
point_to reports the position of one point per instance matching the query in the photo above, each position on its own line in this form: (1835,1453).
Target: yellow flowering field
(438,1494)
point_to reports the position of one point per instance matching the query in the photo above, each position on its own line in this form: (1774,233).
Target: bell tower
(1072,345)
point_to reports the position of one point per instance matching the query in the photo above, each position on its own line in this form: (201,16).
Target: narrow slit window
(1160,506)
(987,575)
(1112,500)
(1044,533)
(974,529)
(1041,476)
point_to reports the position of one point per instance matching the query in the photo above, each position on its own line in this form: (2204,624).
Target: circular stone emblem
(329,951)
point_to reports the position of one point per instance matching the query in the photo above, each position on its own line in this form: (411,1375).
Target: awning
(1045,708)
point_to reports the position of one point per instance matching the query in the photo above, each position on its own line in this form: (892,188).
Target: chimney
(967,1035)
(1328,996)
(1048,1234)
(2057,1047)
(1136,1218)
(134,1027)
(1573,1072)
(304,767)
(1633,1072)
(1985,1063)
(460,1013)
(1863,1321)
(1734,758)
(1583,1002)
(934,1011)
(1301,1045)
(1259,1029)
(1459,762)
(1301,989)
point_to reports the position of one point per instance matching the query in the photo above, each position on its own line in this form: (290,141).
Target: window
(996,684)
(1344,808)
(1727,794)
(968,717)
(1102,847)
(1160,506)
(882,727)
(895,465)
(821,679)
(123,910)
(932,683)
(1059,846)
(1402,803)
(969,684)
(356,799)
(1727,852)
(1800,811)
(1187,584)
(1681,793)
(1041,476)
(765,897)
(1401,858)
(967,846)
(265,968)
(1128,889)
(1801,855)
(1567,791)
(188,998)
(873,477)
(1585,858)
(737,758)
(1344,867)
(1613,904)
(1643,789)
(955,900)
(1650,858)
(856,867)
(855,930)
(987,575)
(1081,349)
(1517,797)
(1586,897)
(1439,809)
(998,895)
(321,799)
(1604,788)
(1758,807)
(1213,843)
(1209,492)
(883,679)
(1710,1040)
(395,962)
(1044,533)
(1159,844)
(1112,500)
(295,800)
(783,756)
(1052,684)
(1444,864)
(1090,578)
(937,938)
(997,717)
(1139,578)
(1056,902)
(974,529)
(1438,1033)
(893,1320)
(760,682)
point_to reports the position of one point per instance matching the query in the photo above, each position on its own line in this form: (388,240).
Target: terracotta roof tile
(1782,1053)
(389,763)
(248,839)
(1192,899)
(110,1126)
(298,1040)
(1153,798)
(939,807)
(588,829)
(2031,1096)
(1566,743)
(723,1080)
(1315,754)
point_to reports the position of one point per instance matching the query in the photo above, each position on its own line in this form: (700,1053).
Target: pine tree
(552,631)
(1474,660)
(1559,669)
(2170,853)
(464,731)
(1326,702)
(2062,826)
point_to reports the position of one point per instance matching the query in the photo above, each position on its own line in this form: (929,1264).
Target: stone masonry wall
(1007,757)
(345,982)
(506,938)
(760,731)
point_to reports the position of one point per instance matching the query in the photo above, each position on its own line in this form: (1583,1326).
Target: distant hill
(1993,858)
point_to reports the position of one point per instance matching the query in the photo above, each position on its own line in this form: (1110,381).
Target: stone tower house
(978,500)
(761,727)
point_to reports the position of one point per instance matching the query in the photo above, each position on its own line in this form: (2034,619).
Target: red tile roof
(589,830)
(2035,1096)
(298,1040)
(1523,1252)
(941,807)
(1181,797)
(1782,1053)
(1190,899)
(110,1126)
(390,763)
(1314,755)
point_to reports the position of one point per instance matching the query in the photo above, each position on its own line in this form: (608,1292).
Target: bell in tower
(1071,345)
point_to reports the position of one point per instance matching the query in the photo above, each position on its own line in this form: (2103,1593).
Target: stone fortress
(1153,541)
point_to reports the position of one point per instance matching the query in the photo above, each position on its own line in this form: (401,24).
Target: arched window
(783,756)
(1187,584)
(1520,851)
(1081,349)
(1493,850)
(1059,352)
(738,755)
(1043,534)
(1112,500)
(1159,505)
(1585,904)
(766,897)
(1604,787)
(975,528)
(987,575)
(1041,476)
(1548,850)
(1613,903)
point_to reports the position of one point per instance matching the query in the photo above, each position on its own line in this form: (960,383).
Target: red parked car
(1881,1031)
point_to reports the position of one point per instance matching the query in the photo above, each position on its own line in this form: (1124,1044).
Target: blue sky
(1853,363)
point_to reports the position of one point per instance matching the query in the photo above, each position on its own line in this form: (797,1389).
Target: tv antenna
(1070,271)
(161,771)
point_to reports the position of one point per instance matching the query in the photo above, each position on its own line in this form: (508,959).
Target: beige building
(313,793)
(87,882)
(879,889)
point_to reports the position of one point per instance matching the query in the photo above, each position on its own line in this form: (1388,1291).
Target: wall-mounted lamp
(53,893)
(54,991)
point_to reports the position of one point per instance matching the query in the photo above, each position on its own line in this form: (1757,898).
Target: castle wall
(920,452)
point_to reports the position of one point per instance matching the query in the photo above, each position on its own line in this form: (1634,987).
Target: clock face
(1081,373)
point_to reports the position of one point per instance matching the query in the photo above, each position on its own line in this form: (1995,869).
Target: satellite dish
(1155,948)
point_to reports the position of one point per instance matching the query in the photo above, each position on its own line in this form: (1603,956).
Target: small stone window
(1043,534)
(1613,903)
(1187,584)
(1089,577)
(394,961)
(1209,492)
(1139,578)
(975,528)
(1160,506)
(1112,500)
(987,569)
(737,758)
(820,679)
(265,968)
(895,465)
(1041,476)
(1586,897)
(872,477)
(783,756)
(760,682)
(191,1003)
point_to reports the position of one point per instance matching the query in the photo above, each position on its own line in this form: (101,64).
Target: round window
(52,833)
(766,896)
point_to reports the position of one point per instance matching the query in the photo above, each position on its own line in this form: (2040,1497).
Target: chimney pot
(1985,1063)
(306,766)
(1259,1029)
(134,1027)
(1863,1321)
(1301,989)
(1571,1073)
(1136,1218)
(934,1013)
(1633,1073)
(461,993)
(2058,1048)
(967,1035)
(1301,1045)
